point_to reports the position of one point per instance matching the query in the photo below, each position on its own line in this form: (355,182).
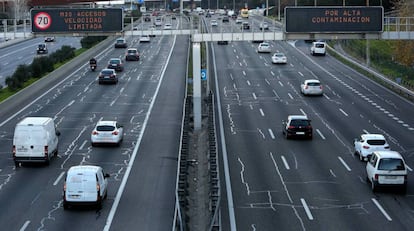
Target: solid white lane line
(302,111)
(23,228)
(58,178)
(381,209)
(244,73)
(248,82)
(343,112)
(300,73)
(307,210)
(285,162)
(281,84)
(344,164)
(271,134)
(261,112)
(320,134)
(254,96)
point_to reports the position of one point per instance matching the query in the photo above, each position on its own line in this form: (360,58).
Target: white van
(35,140)
(85,185)
(318,48)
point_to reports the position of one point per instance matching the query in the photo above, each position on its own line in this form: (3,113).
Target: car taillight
(365,147)
(46,150)
(320,87)
(115,133)
(306,86)
(376,176)
(94,133)
(291,127)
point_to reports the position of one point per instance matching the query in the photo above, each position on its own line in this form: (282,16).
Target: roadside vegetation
(26,74)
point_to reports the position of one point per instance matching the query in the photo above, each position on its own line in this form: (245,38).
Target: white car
(264,26)
(366,144)
(311,87)
(144,39)
(214,23)
(167,26)
(107,132)
(387,168)
(239,20)
(264,48)
(279,58)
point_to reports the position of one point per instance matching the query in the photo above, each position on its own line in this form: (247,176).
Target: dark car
(147,18)
(225,19)
(49,39)
(245,26)
(41,48)
(132,54)
(297,126)
(116,64)
(120,43)
(222,42)
(107,76)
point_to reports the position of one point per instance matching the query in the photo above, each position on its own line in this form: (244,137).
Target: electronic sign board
(334,19)
(76,20)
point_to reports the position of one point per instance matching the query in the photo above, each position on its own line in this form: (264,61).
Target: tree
(404,49)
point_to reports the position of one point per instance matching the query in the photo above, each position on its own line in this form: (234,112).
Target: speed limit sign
(42,20)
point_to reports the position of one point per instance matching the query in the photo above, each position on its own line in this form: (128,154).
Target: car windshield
(300,123)
(376,142)
(105,128)
(107,72)
(391,164)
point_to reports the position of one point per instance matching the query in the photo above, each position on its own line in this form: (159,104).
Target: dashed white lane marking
(381,209)
(320,134)
(306,207)
(58,178)
(254,96)
(302,111)
(290,96)
(248,82)
(343,112)
(344,164)
(83,145)
(285,162)
(261,112)
(271,134)
(23,228)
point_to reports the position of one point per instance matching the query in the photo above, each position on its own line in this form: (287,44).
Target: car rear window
(132,51)
(105,128)
(115,61)
(107,72)
(300,123)
(319,45)
(314,84)
(391,164)
(376,142)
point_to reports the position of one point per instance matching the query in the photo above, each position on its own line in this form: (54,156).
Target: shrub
(90,41)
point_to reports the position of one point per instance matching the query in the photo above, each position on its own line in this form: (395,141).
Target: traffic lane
(24,52)
(233,122)
(383,110)
(150,192)
(71,143)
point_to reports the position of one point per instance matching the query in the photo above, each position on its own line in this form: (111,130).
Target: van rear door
(81,187)
(30,142)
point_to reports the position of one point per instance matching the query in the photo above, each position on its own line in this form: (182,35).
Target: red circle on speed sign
(42,20)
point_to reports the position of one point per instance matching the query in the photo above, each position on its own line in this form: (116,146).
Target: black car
(225,19)
(147,18)
(49,39)
(132,55)
(107,76)
(297,126)
(41,48)
(116,64)
(120,43)
(222,42)
(245,26)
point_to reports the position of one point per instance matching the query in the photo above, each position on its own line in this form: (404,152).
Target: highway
(305,184)
(271,183)
(25,51)
(147,101)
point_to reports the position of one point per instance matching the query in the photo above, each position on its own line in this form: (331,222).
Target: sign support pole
(197,85)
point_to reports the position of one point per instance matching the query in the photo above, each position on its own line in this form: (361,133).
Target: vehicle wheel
(99,204)
(65,206)
(17,164)
(47,162)
(286,135)
(361,158)
(404,189)
(93,144)
(55,154)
